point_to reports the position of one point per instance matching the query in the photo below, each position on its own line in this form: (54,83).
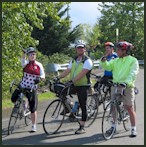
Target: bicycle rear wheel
(52,120)
(92,109)
(109,118)
(13,117)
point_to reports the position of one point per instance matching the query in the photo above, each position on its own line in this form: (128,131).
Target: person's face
(108,50)
(32,56)
(121,52)
(80,50)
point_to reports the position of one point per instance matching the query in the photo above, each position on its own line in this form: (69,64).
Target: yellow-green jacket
(124,69)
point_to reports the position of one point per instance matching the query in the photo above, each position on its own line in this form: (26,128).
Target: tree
(16,34)
(128,17)
(55,37)
(91,35)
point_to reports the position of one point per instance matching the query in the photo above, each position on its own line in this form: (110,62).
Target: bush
(59,58)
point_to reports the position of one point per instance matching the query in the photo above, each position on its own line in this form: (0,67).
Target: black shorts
(32,98)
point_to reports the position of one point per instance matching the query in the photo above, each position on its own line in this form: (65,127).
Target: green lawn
(41,97)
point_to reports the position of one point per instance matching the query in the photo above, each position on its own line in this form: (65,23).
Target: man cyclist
(110,54)
(79,69)
(125,70)
(33,72)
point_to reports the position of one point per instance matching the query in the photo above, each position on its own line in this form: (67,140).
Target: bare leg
(82,123)
(34,117)
(132,115)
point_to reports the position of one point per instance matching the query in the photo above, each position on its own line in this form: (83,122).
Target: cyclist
(33,72)
(79,69)
(110,54)
(125,70)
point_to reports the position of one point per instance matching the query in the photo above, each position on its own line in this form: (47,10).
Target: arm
(86,68)
(64,73)
(107,65)
(24,62)
(42,72)
(80,75)
(133,73)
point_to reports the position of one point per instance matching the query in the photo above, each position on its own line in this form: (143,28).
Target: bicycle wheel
(126,119)
(92,109)
(27,115)
(52,120)
(106,101)
(13,118)
(109,118)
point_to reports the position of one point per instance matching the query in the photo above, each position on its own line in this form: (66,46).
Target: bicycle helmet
(30,50)
(125,45)
(109,44)
(80,43)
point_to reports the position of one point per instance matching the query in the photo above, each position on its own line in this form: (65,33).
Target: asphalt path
(66,136)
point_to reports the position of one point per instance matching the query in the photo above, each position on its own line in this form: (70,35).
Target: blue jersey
(109,57)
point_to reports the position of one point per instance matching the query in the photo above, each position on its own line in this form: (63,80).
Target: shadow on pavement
(41,139)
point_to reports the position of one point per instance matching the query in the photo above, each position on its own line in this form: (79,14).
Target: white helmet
(80,43)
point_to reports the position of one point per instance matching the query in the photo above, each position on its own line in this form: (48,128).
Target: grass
(41,97)
(46,95)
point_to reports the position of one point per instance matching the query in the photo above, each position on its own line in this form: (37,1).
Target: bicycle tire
(126,121)
(51,126)
(28,116)
(13,117)
(107,99)
(107,121)
(92,109)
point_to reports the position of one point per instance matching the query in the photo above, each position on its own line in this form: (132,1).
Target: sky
(84,12)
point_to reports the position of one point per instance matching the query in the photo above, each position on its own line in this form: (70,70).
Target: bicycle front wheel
(13,118)
(107,98)
(109,118)
(126,119)
(27,115)
(92,109)
(52,119)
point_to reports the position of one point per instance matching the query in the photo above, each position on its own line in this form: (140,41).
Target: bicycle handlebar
(98,77)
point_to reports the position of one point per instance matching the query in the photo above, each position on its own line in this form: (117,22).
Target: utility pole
(117,35)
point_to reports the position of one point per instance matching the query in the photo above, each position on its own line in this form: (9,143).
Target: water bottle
(75,107)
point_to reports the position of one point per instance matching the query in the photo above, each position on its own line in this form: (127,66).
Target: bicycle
(115,113)
(20,110)
(102,91)
(52,120)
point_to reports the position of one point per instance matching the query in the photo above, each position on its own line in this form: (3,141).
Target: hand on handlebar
(69,83)
(56,79)
(124,85)
(37,80)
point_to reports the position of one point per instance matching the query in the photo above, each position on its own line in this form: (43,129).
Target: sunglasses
(80,47)
(32,54)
